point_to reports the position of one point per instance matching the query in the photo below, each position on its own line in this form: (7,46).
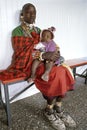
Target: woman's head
(29,13)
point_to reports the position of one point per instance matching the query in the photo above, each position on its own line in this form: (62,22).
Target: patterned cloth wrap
(22,58)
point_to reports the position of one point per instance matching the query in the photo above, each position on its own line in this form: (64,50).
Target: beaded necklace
(27,29)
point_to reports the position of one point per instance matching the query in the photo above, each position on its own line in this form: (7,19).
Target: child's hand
(57,48)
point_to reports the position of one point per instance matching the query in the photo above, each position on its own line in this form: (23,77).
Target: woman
(24,37)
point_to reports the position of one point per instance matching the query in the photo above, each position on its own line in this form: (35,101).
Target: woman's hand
(36,54)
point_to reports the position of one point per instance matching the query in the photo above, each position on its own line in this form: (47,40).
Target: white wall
(68,16)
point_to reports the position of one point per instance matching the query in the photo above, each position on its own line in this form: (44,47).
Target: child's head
(47,34)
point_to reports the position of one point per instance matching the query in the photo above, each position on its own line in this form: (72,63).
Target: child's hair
(51,30)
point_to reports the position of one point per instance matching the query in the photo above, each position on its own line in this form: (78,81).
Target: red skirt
(60,81)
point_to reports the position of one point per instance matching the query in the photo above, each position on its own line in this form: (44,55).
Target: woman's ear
(21,16)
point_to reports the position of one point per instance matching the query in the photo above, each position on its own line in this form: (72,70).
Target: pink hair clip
(52,29)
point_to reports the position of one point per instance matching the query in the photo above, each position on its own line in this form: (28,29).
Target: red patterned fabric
(22,58)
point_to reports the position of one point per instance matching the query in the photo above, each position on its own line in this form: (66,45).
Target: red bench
(78,62)
(73,63)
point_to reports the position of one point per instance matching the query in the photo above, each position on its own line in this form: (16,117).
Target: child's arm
(57,48)
(39,46)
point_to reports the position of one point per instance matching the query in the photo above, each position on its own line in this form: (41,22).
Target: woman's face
(29,14)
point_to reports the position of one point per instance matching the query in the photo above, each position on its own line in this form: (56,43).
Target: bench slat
(76,62)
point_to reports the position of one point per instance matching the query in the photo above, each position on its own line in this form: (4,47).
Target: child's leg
(33,69)
(48,67)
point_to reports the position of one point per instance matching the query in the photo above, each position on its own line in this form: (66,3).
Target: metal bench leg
(86,76)
(7,107)
(74,72)
(1,101)
(0,95)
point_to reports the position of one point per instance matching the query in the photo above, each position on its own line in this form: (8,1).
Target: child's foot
(45,77)
(31,79)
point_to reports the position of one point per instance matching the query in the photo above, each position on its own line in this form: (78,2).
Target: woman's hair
(26,6)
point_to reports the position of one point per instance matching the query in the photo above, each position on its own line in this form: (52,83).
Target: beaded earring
(21,17)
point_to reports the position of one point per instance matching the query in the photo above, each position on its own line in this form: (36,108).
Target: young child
(46,45)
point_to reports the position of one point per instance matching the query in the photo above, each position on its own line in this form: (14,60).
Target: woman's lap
(59,83)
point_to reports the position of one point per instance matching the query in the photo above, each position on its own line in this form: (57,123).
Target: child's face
(46,36)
